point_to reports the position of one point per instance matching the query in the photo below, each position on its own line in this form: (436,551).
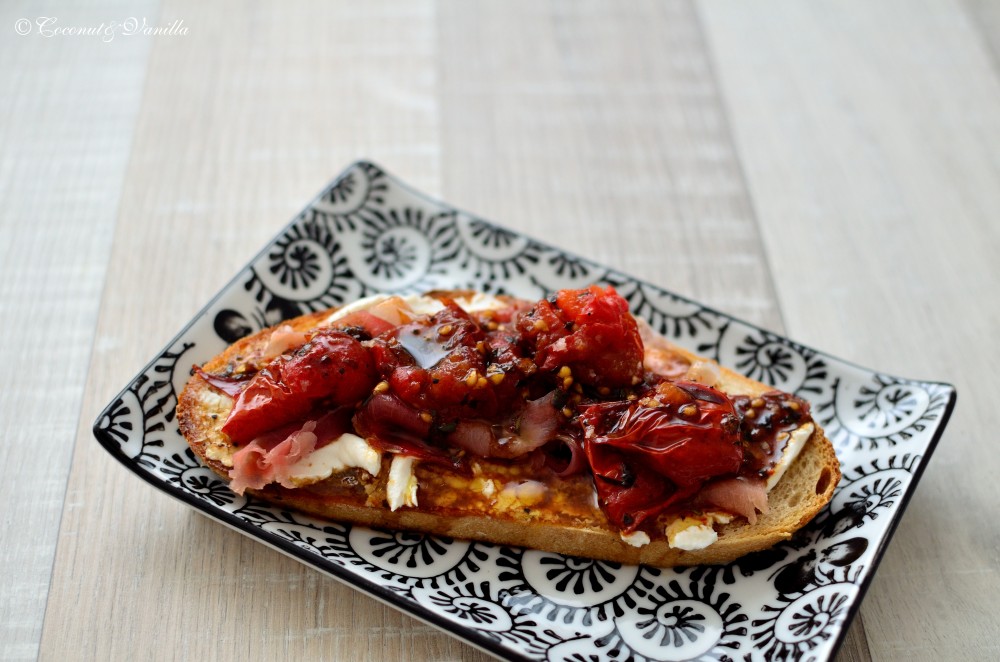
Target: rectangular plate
(368,232)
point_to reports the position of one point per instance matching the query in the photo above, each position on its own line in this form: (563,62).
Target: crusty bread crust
(565,519)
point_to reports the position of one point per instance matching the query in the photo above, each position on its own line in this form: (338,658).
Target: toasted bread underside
(488,506)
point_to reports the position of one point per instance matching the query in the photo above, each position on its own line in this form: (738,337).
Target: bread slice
(503,502)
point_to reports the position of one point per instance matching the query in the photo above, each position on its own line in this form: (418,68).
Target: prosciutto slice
(740,495)
(474,436)
(269,457)
(283,339)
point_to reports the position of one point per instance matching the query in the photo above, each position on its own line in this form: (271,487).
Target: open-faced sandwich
(564,424)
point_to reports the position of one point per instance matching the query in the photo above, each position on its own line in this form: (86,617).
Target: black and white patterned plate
(368,233)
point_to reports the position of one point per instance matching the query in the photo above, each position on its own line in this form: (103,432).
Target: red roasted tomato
(645,458)
(589,331)
(332,367)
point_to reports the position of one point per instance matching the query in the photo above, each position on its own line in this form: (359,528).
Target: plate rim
(338,572)
(414,609)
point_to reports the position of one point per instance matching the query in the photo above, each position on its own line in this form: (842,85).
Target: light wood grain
(871,155)
(191,174)
(985,15)
(601,131)
(223,157)
(67,109)
(755,160)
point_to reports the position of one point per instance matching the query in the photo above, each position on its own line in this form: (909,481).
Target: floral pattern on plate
(368,232)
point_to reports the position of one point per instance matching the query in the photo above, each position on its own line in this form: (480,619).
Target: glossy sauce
(562,377)
(763,419)
(425,344)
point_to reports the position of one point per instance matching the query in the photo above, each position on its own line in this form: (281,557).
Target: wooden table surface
(829,170)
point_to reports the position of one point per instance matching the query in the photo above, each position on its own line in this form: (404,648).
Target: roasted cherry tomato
(589,331)
(645,458)
(439,365)
(332,367)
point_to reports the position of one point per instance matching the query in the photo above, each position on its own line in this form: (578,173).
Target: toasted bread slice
(502,502)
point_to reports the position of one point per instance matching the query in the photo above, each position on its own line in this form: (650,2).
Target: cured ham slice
(283,339)
(268,458)
(740,495)
(474,436)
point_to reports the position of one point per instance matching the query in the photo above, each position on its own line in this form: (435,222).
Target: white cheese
(348,450)
(479,301)
(691,533)
(419,304)
(214,403)
(704,372)
(220,452)
(594,500)
(217,406)
(360,304)
(521,494)
(793,446)
(693,537)
(720,518)
(422,305)
(636,538)
(401,489)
